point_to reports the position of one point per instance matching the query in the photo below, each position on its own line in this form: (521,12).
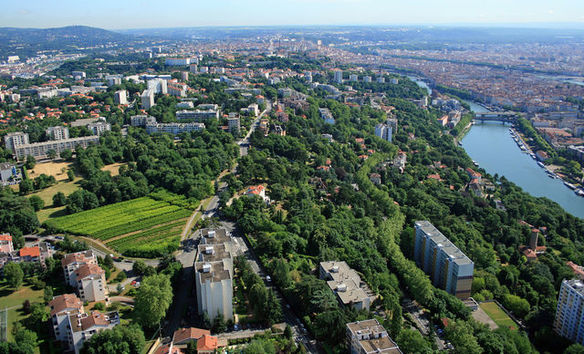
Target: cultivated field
(498,315)
(143,227)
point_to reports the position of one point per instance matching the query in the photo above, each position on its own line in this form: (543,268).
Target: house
(6,243)
(207,344)
(62,307)
(375,178)
(578,270)
(30,254)
(91,283)
(183,336)
(258,190)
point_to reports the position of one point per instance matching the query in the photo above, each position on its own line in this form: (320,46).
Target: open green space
(66,187)
(12,302)
(498,315)
(143,227)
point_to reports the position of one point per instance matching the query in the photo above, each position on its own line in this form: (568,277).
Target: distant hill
(27,41)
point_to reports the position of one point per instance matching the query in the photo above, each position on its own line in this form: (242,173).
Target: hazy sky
(118,14)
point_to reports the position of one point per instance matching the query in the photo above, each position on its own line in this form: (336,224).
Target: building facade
(569,320)
(40,150)
(447,266)
(214,274)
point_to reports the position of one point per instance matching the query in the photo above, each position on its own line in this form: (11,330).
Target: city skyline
(141,14)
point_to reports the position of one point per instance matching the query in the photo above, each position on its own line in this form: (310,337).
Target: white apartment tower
(569,321)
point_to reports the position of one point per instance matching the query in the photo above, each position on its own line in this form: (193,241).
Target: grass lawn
(67,187)
(13,301)
(53,168)
(498,315)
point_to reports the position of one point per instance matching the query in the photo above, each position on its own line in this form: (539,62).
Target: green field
(12,301)
(498,315)
(143,227)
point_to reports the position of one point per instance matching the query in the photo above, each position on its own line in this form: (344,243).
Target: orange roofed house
(6,243)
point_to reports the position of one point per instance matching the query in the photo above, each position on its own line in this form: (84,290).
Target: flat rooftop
(216,273)
(213,253)
(443,243)
(214,236)
(373,337)
(345,282)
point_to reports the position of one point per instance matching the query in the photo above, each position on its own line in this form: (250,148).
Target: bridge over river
(505,117)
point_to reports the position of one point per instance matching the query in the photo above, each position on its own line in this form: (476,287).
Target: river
(490,144)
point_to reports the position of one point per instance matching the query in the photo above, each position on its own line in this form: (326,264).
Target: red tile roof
(30,251)
(207,342)
(5,237)
(184,334)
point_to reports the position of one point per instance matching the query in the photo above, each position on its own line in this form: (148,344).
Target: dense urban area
(276,190)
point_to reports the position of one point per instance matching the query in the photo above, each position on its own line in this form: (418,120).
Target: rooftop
(453,252)
(64,302)
(34,251)
(373,338)
(214,236)
(345,282)
(184,334)
(78,257)
(214,272)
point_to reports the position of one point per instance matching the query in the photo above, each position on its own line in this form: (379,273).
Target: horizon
(139,14)
(494,25)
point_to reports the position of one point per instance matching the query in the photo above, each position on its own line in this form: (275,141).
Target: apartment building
(177,89)
(569,320)
(91,283)
(121,97)
(326,115)
(346,284)
(99,128)
(198,115)
(12,140)
(57,133)
(384,131)
(233,125)
(72,261)
(41,150)
(338,76)
(62,307)
(147,99)
(447,266)
(369,336)
(174,128)
(84,326)
(142,120)
(214,274)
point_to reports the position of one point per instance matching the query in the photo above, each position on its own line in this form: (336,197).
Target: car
(268,278)
(59,237)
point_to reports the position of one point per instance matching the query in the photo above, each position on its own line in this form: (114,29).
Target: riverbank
(493,147)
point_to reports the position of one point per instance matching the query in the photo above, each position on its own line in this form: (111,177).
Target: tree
(141,268)
(30,162)
(574,349)
(25,186)
(36,202)
(461,335)
(48,294)
(153,298)
(59,199)
(26,306)
(411,341)
(67,154)
(120,339)
(51,154)
(260,346)
(219,325)
(71,175)
(14,275)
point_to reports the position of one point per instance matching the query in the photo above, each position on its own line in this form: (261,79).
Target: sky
(125,14)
